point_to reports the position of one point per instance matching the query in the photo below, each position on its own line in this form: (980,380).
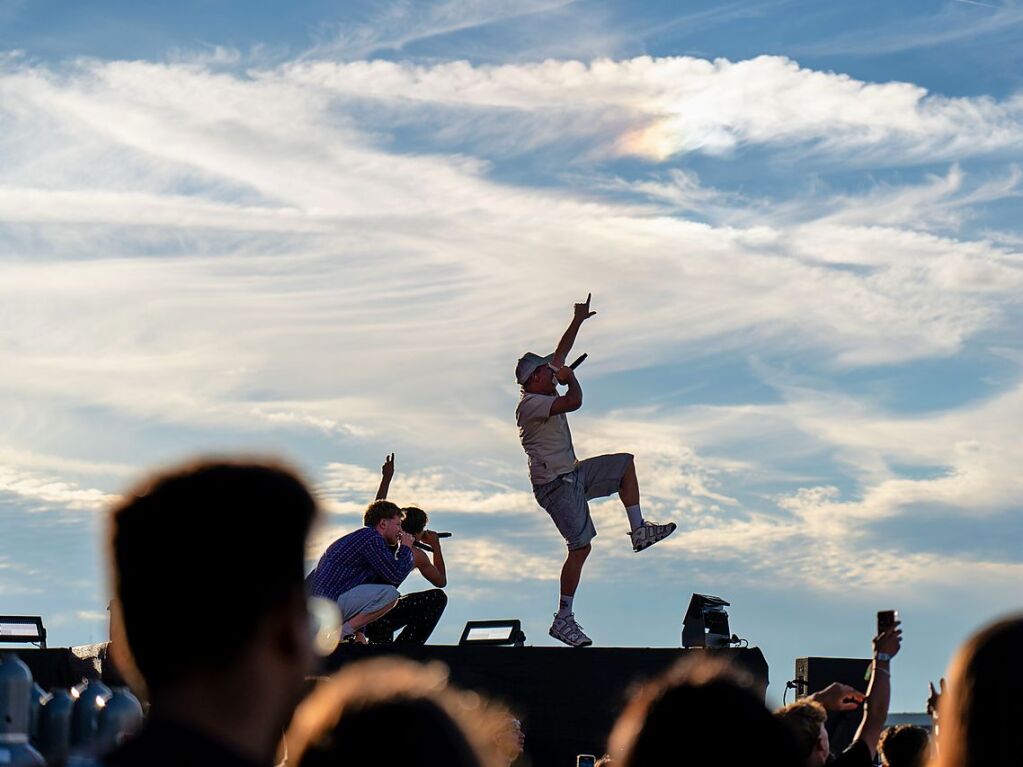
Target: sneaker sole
(587,643)
(648,544)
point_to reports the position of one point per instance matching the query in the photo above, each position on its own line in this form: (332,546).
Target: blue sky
(328,232)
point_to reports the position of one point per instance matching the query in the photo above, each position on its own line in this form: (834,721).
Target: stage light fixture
(502,632)
(22,629)
(706,623)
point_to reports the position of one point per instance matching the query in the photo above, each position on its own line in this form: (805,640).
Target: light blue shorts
(367,598)
(565,498)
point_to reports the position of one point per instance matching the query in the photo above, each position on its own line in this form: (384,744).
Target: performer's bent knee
(436,595)
(580,551)
(392,596)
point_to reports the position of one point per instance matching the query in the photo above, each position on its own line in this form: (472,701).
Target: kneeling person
(361,572)
(416,614)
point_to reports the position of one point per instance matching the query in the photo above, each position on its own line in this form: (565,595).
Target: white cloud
(253,256)
(50,492)
(63,465)
(431,488)
(977,445)
(667,106)
(93,616)
(815,536)
(334,231)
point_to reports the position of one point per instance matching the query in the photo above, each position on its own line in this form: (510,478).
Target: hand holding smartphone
(886,620)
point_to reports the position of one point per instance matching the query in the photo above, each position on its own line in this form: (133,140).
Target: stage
(567,698)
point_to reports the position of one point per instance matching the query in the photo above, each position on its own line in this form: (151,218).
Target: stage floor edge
(568,698)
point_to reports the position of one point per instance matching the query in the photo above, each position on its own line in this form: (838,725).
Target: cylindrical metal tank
(55,728)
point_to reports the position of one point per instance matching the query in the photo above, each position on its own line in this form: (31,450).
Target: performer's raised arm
(571,400)
(386,473)
(562,484)
(582,313)
(435,572)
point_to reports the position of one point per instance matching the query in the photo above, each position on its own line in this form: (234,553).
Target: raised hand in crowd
(934,698)
(875,710)
(888,642)
(933,701)
(838,697)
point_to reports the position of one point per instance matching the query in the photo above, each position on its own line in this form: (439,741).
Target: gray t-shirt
(545,438)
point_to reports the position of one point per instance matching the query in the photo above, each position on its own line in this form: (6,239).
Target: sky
(327,231)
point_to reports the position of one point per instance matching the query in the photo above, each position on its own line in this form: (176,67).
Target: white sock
(346,629)
(635,516)
(565,605)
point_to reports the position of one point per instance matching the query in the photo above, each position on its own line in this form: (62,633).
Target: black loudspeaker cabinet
(818,673)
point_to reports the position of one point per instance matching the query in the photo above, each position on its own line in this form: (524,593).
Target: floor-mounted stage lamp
(503,632)
(706,623)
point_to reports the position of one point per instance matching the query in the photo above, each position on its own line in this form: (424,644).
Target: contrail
(975,2)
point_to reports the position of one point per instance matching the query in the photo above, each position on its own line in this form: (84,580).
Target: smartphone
(585,760)
(886,619)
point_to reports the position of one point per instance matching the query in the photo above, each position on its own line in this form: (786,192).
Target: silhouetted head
(391,711)
(414,520)
(207,567)
(703,711)
(904,745)
(805,720)
(980,712)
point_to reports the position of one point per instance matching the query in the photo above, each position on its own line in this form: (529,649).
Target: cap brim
(539,364)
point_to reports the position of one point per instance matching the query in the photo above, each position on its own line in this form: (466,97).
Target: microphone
(428,547)
(578,362)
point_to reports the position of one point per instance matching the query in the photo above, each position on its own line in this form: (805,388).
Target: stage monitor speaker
(814,674)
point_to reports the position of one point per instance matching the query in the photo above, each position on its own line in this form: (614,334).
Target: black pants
(415,614)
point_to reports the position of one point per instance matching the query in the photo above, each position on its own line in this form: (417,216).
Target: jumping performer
(562,485)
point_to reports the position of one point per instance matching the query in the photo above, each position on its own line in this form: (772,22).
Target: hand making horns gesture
(582,311)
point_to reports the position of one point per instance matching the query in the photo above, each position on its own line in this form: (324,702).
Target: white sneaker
(648,534)
(568,631)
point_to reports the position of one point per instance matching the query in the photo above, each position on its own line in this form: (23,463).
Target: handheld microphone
(578,362)
(428,547)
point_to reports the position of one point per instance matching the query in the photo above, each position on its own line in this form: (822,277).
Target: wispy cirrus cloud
(955,22)
(339,258)
(667,106)
(298,236)
(394,26)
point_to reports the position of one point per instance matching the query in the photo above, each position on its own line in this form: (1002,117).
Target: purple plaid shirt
(357,558)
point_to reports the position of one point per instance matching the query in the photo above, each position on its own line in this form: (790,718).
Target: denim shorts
(367,598)
(565,498)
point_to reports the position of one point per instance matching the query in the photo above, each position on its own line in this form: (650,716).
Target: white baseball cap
(527,365)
